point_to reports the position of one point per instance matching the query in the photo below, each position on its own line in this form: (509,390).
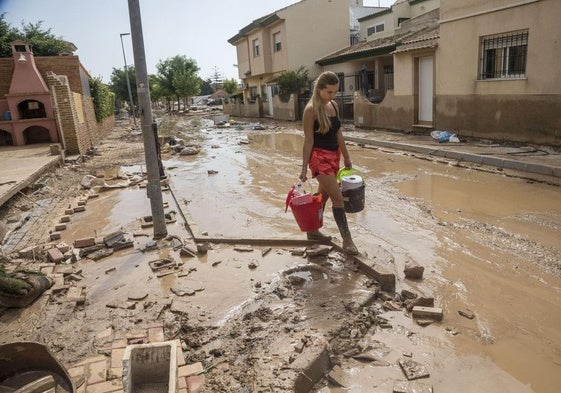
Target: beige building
(290,38)
(479,68)
(497,70)
(370,70)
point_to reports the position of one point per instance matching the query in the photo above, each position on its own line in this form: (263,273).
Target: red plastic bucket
(309,216)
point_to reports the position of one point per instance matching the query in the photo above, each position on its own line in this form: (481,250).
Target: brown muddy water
(489,243)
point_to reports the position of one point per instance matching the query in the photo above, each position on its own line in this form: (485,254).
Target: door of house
(426,89)
(270,99)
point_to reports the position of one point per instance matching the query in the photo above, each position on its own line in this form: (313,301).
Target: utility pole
(154,190)
(128,81)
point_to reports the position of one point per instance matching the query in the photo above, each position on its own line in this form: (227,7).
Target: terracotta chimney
(26,78)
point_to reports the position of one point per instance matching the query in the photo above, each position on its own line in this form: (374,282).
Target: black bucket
(353,200)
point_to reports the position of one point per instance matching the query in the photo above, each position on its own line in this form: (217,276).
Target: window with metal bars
(504,56)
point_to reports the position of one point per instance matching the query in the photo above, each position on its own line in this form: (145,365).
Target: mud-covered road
(489,244)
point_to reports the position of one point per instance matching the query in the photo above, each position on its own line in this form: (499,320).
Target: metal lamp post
(127,78)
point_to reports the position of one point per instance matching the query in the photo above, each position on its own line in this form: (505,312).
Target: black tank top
(328,141)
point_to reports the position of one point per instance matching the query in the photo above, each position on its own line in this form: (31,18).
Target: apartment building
(290,38)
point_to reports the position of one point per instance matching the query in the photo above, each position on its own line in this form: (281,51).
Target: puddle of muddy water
(474,227)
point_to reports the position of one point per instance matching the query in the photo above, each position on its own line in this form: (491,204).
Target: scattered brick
(156,334)
(55,255)
(195,382)
(55,236)
(86,242)
(63,247)
(65,218)
(60,227)
(114,385)
(190,369)
(97,373)
(117,355)
(427,312)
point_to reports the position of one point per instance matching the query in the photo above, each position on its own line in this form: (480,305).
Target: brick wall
(62,65)
(67,119)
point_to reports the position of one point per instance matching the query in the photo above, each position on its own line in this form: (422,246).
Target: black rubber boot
(341,220)
(318,236)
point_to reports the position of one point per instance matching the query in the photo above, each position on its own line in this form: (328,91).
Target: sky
(197,29)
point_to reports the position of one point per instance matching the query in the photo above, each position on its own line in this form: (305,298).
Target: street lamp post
(127,78)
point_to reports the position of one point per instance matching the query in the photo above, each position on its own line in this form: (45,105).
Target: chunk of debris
(411,387)
(424,322)
(243,248)
(86,242)
(187,252)
(202,248)
(30,252)
(113,238)
(466,313)
(338,376)
(84,252)
(391,305)
(212,172)
(266,251)
(137,296)
(452,331)
(124,243)
(413,369)
(298,252)
(406,294)
(299,346)
(413,271)
(421,301)
(160,264)
(55,255)
(100,254)
(186,291)
(427,312)
(318,250)
(189,151)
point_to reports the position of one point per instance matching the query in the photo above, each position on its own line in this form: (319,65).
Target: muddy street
(488,244)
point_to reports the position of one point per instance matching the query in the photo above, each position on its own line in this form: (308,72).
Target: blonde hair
(327,78)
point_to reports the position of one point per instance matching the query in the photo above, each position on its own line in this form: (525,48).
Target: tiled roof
(423,40)
(413,39)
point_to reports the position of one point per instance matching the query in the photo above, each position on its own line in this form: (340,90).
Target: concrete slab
(22,166)
(150,366)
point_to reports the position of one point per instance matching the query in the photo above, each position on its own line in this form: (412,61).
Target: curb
(497,162)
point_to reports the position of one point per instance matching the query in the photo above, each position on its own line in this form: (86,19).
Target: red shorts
(324,162)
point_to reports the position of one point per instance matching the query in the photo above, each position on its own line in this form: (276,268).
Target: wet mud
(488,243)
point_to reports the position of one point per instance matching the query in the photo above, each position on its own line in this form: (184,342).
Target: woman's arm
(308,124)
(344,151)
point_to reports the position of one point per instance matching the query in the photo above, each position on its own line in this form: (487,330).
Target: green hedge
(103,99)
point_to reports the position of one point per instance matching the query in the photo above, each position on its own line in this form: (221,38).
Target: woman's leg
(329,185)
(316,234)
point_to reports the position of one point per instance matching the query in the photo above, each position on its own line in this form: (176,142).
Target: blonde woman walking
(323,146)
